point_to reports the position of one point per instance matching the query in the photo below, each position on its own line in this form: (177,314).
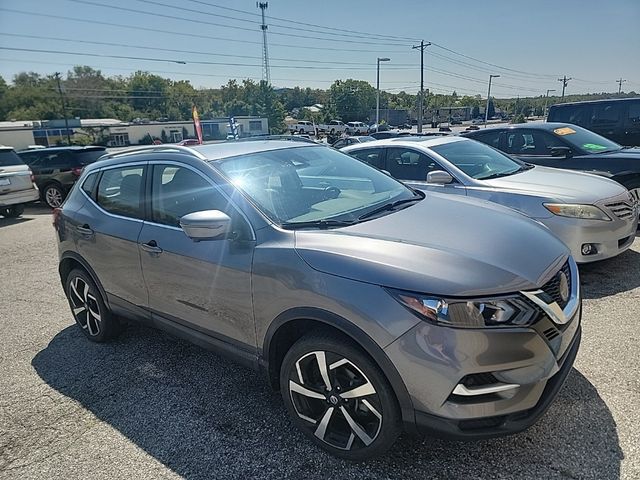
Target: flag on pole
(196,124)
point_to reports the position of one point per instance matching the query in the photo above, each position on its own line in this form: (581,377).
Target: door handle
(84,229)
(151,247)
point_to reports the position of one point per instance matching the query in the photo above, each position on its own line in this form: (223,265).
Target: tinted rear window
(9,158)
(88,156)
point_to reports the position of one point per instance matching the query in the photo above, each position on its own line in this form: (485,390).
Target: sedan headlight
(477,313)
(588,212)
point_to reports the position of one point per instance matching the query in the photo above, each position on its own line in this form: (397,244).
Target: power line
(174,50)
(204,22)
(217,15)
(369,35)
(184,62)
(492,64)
(183,34)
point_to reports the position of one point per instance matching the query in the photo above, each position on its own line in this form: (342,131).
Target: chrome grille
(552,287)
(621,210)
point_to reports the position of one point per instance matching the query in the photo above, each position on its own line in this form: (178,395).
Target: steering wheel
(331,192)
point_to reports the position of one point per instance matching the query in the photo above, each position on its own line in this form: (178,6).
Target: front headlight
(477,313)
(588,212)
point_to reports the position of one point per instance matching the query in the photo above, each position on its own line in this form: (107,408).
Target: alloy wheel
(53,197)
(85,307)
(336,400)
(635,193)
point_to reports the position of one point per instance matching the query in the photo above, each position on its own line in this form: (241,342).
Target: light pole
(546,100)
(486,110)
(378,91)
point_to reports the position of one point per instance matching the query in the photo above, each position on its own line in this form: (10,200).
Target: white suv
(16,184)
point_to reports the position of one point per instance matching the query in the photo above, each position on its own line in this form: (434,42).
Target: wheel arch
(292,324)
(70,260)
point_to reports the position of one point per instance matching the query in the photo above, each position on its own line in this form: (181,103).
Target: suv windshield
(478,160)
(304,185)
(585,140)
(9,158)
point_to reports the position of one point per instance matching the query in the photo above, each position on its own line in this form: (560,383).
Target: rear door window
(372,156)
(120,191)
(491,138)
(606,114)
(634,113)
(576,114)
(409,164)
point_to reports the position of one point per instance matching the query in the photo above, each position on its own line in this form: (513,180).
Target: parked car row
(372,306)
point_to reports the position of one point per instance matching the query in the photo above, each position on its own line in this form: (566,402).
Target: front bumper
(610,238)
(433,361)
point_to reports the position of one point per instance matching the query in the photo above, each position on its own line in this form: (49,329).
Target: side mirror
(439,177)
(206,225)
(561,152)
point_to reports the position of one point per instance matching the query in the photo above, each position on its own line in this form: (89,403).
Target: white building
(115,133)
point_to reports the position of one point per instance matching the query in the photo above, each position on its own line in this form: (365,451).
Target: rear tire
(14,211)
(88,308)
(339,397)
(53,195)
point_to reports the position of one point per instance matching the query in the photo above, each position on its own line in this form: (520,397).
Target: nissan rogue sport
(372,307)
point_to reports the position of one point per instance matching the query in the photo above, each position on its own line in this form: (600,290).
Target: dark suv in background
(56,169)
(616,119)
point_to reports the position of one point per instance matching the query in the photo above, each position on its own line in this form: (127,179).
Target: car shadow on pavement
(203,416)
(5,222)
(609,277)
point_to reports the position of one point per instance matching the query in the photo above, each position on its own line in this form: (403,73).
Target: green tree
(353,99)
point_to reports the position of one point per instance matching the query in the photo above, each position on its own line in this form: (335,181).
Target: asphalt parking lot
(150,406)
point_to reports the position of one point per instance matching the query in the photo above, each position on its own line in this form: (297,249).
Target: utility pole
(620,82)
(486,110)
(546,101)
(266,75)
(422,46)
(64,107)
(564,81)
(378,90)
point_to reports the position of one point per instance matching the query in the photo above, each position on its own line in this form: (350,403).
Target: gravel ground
(150,406)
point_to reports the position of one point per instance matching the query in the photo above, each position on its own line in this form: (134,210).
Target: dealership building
(115,133)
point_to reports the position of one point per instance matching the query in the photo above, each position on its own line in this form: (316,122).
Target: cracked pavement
(151,406)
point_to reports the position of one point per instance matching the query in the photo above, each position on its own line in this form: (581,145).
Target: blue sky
(530,43)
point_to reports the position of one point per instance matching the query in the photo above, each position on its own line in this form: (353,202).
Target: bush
(520,118)
(146,140)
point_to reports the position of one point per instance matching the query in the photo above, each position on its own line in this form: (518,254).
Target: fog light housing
(588,249)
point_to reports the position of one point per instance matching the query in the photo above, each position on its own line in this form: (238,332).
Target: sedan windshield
(478,160)
(303,185)
(584,140)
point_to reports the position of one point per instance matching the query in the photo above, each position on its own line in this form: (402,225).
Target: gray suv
(372,307)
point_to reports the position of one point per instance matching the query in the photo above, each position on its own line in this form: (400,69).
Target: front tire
(339,397)
(88,307)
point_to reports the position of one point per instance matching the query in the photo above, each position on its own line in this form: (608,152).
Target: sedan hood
(626,153)
(554,183)
(444,245)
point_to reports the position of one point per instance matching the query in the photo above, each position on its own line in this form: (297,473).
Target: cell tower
(266,75)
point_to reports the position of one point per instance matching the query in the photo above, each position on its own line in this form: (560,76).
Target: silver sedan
(595,217)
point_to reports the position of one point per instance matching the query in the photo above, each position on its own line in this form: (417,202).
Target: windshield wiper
(322,224)
(392,205)
(503,174)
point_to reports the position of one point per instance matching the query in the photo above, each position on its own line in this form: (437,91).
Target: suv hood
(554,183)
(444,245)
(626,153)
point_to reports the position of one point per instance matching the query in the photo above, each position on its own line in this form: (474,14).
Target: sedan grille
(552,287)
(621,210)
